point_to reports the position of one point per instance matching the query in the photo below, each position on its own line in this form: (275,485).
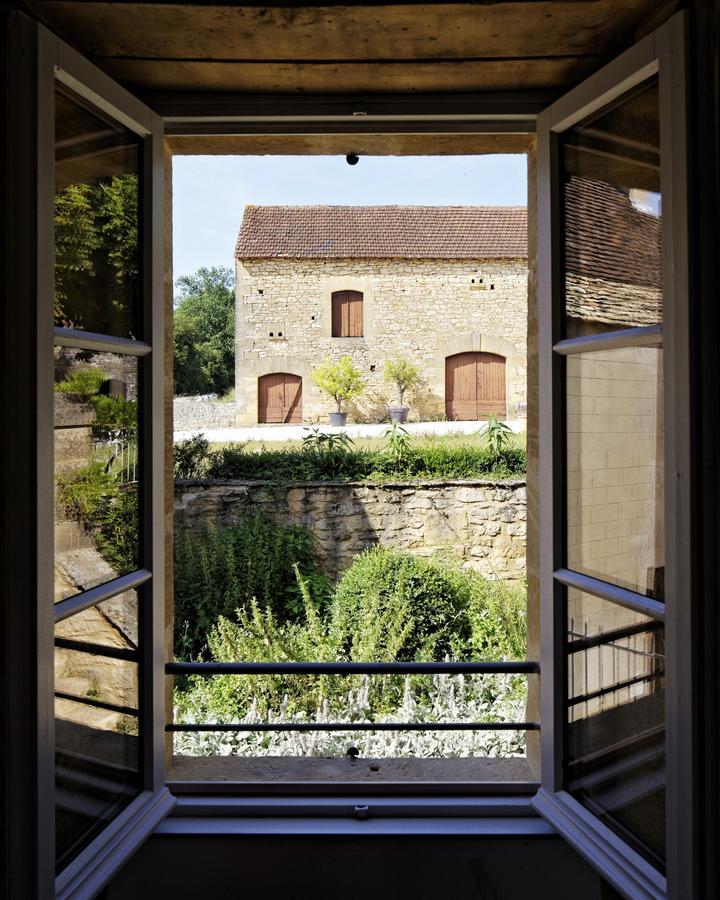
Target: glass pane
(612,210)
(615,467)
(97,730)
(96,469)
(616,719)
(97,186)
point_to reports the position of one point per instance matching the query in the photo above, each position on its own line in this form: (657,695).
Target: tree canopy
(204,332)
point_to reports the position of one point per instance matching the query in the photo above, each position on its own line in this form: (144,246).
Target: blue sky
(209,192)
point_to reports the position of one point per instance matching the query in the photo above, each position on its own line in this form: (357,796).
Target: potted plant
(405,376)
(342,381)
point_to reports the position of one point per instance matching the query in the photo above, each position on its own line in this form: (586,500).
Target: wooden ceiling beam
(425,31)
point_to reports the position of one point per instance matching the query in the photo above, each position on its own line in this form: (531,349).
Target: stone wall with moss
(481,522)
(422,310)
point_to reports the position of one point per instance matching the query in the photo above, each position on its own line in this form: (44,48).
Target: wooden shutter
(347,314)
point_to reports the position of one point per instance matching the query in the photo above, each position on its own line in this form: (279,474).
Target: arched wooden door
(475,386)
(280,398)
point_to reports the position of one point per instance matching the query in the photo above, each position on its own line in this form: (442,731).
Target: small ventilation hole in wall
(272,334)
(279,333)
(492,287)
(313,318)
(372,368)
(259,291)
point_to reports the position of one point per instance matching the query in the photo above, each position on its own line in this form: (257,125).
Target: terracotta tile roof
(405,232)
(613,256)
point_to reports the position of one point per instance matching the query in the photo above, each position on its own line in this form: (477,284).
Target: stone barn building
(443,287)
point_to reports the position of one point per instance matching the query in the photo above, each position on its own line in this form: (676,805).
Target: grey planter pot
(399,414)
(338,419)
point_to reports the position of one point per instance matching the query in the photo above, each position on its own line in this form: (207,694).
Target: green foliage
(96,253)
(115,414)
(497,435)
(82,384)
(204,332)
(391,605)
(353,464)
(340,379)
(388,606)
(219,570)
(332,454)
(398,444)
(112,414)
(190,457)
(403,374)
(106,510)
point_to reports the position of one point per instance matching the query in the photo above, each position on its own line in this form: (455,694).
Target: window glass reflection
(97,256)
(616,719)
(96,469)
(613,223)
(615,467)
(96,731)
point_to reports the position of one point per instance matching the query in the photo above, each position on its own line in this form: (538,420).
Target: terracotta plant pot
(338,419)
(399,414)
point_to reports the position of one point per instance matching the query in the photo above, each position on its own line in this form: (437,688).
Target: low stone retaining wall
(190,414)
(482,522)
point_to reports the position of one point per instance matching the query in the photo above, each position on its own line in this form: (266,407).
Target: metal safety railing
(209,669)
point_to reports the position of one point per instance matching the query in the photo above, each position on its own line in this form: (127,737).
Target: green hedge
(195,460)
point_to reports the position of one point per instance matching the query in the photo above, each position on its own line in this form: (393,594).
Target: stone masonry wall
(191,414)
(481,522)
(422,310)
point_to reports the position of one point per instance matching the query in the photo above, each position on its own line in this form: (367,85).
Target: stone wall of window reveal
(614,465)
(419,309)
(481,522)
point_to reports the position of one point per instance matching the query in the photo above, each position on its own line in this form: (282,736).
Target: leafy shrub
(114,414)
(82,384)
(190,457)
(424,462)
(220,570)
(332,454)
(107,511)
(395,606)
(388,606)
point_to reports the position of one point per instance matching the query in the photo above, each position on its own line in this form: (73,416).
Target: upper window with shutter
(347,314)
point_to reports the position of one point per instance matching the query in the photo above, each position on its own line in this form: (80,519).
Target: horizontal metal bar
(611,689)
(654,609)
(352,668)
(354,726)
(643,336)
(96,649)
(607,637)
(100,704)
(103,343)
(73,605)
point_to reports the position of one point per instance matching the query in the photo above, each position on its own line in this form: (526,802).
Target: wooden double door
(475,386)
(280,398)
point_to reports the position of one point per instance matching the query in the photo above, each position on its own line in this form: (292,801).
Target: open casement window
(100,553)
(614,401)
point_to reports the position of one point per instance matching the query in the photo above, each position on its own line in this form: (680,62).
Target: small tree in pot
(342,381)
(405,376)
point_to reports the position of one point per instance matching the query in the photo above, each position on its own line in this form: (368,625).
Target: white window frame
(663,53)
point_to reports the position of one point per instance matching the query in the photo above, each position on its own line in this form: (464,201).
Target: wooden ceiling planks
(486,45)
(333,78)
